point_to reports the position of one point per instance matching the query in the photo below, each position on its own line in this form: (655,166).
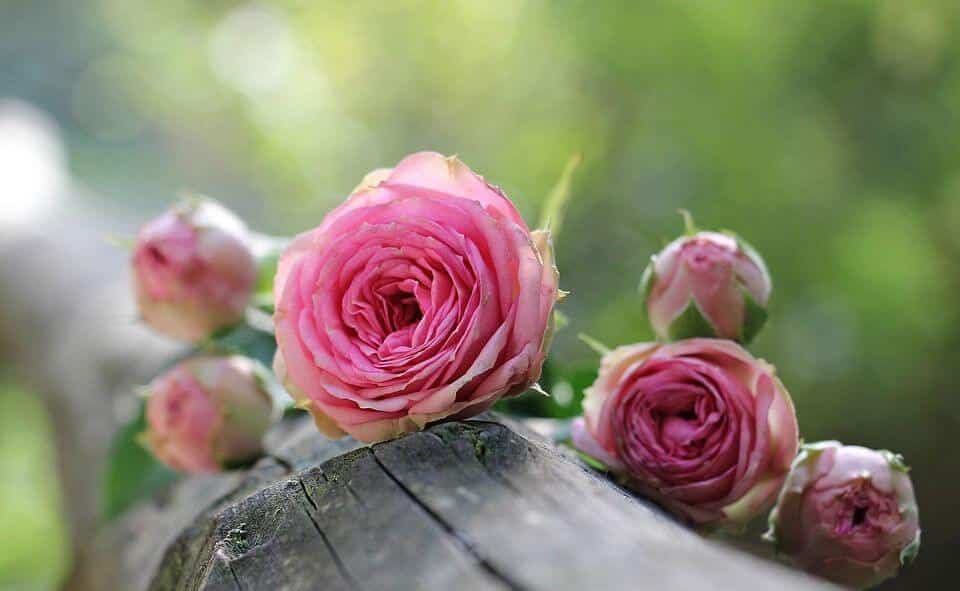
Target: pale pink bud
(208,413)
(193,270)
(847,513)
(706,284)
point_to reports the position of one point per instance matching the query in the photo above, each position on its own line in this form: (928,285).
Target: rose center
(404,311)
(156,255)
(862,508)
(859,515)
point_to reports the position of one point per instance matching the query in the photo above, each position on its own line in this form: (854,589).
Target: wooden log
(479,504)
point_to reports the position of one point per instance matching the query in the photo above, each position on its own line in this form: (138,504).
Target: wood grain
(481,504)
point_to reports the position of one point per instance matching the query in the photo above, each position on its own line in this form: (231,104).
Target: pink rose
(423,296)
(193,270)
(706,285)
(700,426)
(208,413)
(847,513)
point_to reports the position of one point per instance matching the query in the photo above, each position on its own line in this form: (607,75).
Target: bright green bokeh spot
(31,521)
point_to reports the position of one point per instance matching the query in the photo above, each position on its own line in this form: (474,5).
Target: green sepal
(560,321)
(594,344)
(770,536)
(690,323)
(555,205)
(647,279)
(689,226)
(754,317)
(809,451)
(895,460)
(909,554)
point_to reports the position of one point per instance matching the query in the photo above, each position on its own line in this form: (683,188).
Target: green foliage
(133,474)
(245,340)
(32,530)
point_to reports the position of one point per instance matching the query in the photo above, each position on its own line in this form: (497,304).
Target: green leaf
(909,554)
(754,317)
(133,474)
(554,208)
(244,340)
(690,323)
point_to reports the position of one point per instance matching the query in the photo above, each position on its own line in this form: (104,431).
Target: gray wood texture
(481,504)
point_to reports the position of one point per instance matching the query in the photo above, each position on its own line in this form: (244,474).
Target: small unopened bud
(847,513)
(706,284)
(207,414)
(193,270)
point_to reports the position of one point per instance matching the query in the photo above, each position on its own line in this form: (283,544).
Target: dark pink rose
(423,296)
(207,413)
(847,513)
(193,270)
(706,285)
(700,426)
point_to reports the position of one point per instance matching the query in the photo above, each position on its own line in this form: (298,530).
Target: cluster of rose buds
(708,431)
(423,296)
(193,273)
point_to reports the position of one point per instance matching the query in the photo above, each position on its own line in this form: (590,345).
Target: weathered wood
(479,504)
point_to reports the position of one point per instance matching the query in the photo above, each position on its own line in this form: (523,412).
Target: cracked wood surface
(479,504)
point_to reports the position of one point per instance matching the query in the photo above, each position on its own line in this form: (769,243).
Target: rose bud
(207,414)
(706,284)
(193,270)
(699,426)
(423,296)
(847,513)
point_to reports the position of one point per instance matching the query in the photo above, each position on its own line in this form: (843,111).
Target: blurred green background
(827,134)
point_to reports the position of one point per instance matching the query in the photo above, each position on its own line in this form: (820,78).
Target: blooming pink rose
(207,413)
(706,285)
(700,426)
(193,270)
(423,296)
(847,513)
